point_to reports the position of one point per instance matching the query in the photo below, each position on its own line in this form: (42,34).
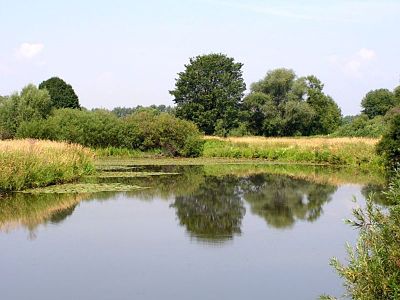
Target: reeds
(32,163)
(313,150)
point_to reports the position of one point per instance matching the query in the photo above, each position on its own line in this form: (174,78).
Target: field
(358,152)
(33,163)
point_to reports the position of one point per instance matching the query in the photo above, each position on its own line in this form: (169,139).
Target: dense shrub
(144,130)
(148,130)
(389,146)
(29,105)
(362,126)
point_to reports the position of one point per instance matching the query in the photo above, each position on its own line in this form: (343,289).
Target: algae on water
(85,188)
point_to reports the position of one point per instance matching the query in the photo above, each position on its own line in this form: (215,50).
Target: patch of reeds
(33,163)
(314,150)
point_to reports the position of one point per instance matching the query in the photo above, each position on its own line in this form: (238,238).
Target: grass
(358,152)
(32,163)
(323,150)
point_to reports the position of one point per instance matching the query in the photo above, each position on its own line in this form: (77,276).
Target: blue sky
(127,53)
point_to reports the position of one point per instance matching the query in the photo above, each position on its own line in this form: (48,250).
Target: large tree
(282,104)
(378,102)
(62,94)
(209,92)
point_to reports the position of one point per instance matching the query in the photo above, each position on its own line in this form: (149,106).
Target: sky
(128,53)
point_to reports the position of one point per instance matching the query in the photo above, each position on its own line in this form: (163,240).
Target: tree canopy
(378,102)
(281,104)
(62,94)
(30,104)
(209,92)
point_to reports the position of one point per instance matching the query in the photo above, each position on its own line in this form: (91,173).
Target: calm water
(189,236)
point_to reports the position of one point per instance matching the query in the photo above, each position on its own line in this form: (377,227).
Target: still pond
(194,232)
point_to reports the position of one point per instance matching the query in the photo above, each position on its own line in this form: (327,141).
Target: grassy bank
(358,152)
(33,163)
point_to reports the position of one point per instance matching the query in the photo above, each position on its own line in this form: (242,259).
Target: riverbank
(354,152)
(33,163)
(357,152)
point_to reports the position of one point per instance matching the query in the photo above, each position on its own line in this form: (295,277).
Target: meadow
(33,163)
(358,152)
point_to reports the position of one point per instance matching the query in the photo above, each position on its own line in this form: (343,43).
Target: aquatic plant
(33,163)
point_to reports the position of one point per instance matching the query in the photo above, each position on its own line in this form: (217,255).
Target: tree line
(209,94)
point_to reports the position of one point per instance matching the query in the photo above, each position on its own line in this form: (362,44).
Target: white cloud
(355,64)
(366,54)
(29,50)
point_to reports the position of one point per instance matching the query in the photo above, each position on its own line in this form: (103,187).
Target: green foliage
(150,130)
(283,105)
(126,111)
(362,126)
(62,94)
(396,93)
(29,105)
(277,83)
(373,269)
(389,146)
(378,102)
(327,114)
(210,89)
(144,130)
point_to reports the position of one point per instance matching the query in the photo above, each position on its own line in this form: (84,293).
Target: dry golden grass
(303,142)
(32,163)
(314,150)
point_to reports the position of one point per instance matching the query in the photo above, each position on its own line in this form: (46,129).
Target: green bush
(144,130)
(389,146)
(373,269)
(148,130)
(362,126)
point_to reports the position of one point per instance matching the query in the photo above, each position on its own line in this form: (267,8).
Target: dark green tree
(396,93)
(209,92)
(378,102)
(62,94)
(327,116)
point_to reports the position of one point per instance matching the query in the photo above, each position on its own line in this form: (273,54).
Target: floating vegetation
(116,168)
(130,174)
(84,188)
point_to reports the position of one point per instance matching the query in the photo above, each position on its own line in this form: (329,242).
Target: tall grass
(33,163)
(314,150)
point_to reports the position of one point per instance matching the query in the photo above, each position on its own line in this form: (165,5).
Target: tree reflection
(281,200)
(214,211)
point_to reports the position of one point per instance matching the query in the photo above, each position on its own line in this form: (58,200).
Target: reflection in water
(376,193)
(214,211)
(282,200)
(30,211)
(210,207)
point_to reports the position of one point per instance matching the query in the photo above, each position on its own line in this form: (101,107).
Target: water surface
(195,235)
